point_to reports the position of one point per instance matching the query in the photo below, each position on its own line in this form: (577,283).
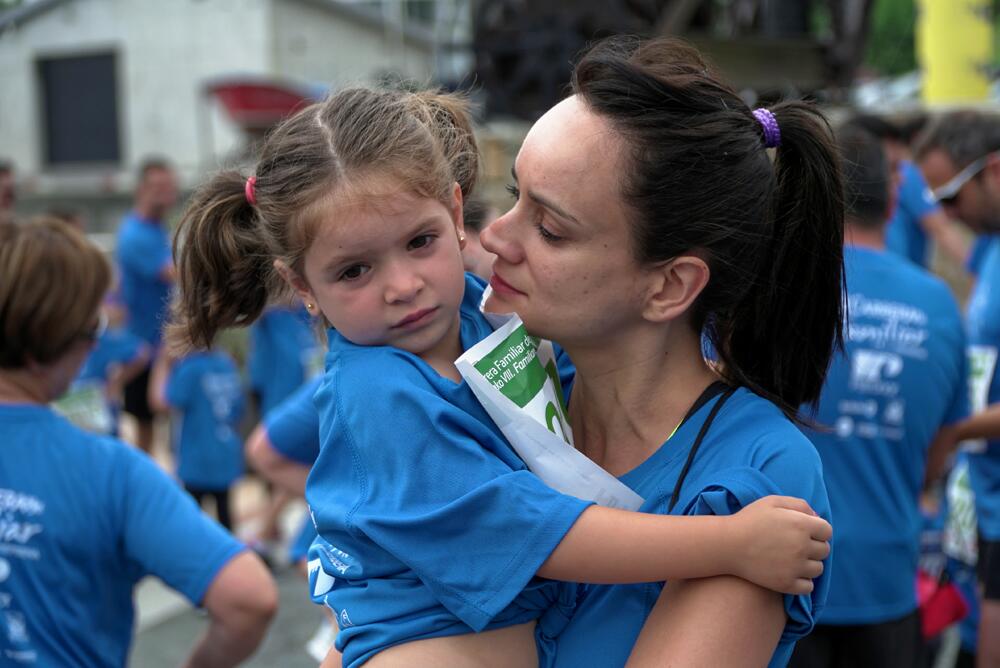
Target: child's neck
(442,356)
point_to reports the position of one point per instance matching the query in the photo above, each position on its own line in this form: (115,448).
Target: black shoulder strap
(706,396)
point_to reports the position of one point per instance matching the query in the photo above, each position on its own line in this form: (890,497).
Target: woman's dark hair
(698,176)
(866,177)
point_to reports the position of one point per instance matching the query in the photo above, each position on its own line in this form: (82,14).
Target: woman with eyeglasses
(84,517)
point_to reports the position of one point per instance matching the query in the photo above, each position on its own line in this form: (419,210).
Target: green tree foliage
(891,37)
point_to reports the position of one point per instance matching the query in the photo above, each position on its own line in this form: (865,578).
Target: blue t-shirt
(284,353)
(84,518)
(750,451)
(293,425)
(983,323)
(904,376)
(143,251)
(429,524)
(206,393)
(293,431)
(905,235)
(974,263)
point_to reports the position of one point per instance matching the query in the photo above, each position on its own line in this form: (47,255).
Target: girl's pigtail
(224,270)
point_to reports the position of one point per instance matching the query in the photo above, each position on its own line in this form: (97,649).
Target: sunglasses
(948,193)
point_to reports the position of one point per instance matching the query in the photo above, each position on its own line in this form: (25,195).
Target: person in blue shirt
(84,516)
(917,217)
(284,354)
(959,155)
(884,417)
(146,272)
(204,393)
(283,449)
(430,527)
(93,402)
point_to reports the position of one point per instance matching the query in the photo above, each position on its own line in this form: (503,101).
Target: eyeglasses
(98,331)
(948,193)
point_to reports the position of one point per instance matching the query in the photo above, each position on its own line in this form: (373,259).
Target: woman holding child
(649,215)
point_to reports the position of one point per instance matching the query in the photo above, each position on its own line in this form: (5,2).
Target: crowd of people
(747,333)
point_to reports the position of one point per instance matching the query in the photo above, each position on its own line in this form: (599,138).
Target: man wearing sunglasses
(960,157)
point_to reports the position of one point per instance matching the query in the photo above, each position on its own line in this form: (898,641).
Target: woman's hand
(780,544)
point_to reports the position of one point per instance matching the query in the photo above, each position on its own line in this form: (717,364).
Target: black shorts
(988,568)
(137,397)
(897,643)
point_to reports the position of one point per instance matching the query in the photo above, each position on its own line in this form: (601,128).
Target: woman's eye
(421,241)
(545,234)
(354,272)
(514,191)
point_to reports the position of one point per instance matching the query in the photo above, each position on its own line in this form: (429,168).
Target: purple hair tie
(772,133)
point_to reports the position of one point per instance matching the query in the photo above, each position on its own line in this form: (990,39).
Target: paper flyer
(515,378)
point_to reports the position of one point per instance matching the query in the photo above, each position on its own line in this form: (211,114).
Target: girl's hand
(780,544)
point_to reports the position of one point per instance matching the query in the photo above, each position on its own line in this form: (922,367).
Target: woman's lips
(503,287)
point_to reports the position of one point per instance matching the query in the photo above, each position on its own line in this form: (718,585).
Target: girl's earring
(461,237)
(310,306)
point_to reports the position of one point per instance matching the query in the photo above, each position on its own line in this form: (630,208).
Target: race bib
(86,406)
(982,366)
(515,378)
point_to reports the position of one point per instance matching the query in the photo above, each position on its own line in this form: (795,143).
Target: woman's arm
(775,542)
(721,621)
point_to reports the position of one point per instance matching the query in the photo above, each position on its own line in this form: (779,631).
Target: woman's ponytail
(787,327)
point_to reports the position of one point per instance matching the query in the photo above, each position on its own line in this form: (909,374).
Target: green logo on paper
(513,367)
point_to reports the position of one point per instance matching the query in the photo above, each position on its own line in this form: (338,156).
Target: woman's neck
(628,399)
(19,386)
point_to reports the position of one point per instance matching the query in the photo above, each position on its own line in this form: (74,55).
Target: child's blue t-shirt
(983,324)
(293,431)
(284,353)
(429,524)
(750,451)
(904,376)
(905,234)
(205,391)
(84,518)
(293,425)
(143,251)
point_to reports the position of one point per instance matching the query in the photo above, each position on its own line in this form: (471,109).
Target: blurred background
(90,89)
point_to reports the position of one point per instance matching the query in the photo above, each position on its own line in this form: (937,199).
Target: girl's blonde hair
(52,282)
(225,246)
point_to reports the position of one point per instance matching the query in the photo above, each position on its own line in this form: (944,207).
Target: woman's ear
(673,287)
(298,284)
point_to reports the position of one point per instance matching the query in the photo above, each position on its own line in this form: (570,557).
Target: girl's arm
(721,621)
(775,542)
(158,377)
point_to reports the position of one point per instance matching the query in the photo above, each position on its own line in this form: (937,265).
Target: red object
(257,105)
(941,604)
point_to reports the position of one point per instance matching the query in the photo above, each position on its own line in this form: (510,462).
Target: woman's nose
(498,238)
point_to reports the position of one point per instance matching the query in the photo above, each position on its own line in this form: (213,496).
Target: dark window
(80,109)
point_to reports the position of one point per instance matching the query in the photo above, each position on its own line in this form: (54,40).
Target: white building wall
(321,45)
(165,51)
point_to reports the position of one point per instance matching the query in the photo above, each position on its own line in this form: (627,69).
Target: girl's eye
(421,241)
(514,191)
(354,272)
(545,234)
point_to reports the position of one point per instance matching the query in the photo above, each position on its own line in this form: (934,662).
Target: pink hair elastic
(249,190)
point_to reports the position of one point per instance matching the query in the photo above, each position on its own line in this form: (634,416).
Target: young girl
(204,391)
(429,525)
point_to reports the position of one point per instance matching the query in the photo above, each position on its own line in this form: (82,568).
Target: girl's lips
(503,287)
(415,317)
